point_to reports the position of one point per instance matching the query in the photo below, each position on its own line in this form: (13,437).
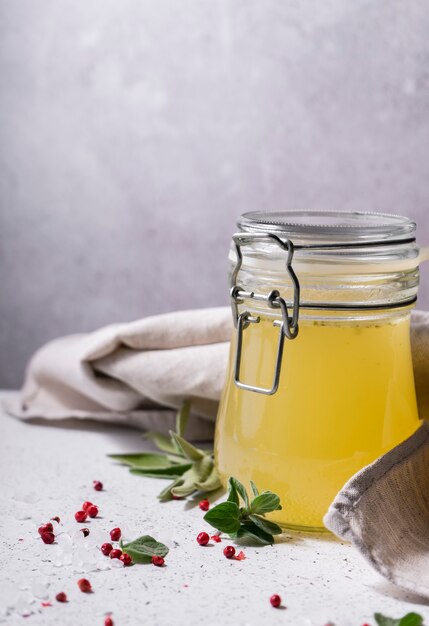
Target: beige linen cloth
(136,373)
(139,373)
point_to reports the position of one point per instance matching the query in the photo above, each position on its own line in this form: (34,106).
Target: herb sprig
(246,521)
(410,619)
(192,469)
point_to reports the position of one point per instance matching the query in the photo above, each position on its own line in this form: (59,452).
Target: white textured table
(48,470)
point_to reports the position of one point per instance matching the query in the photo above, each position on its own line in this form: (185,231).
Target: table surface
(47,469)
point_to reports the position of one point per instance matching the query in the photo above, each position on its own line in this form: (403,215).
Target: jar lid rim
(329,226)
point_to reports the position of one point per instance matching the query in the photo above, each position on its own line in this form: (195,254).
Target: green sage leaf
(163,442)
(168,472)
(142,550)
(266,502)
(269,527)
(144,459)
(184,490)
(211,483)
(187,449)
(203,468)
(165,495)
(186,484)
(175,459)
(198,471)
(224,517)
(182,418)
(199,475)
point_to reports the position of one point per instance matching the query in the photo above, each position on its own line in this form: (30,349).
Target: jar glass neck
(259,275)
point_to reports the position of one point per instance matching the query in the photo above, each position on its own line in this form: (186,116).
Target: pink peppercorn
(80,516)
(92,511)
(46,528)
(61,597)
(126,559)
(108,621)
(115,534)
(48,537)
(84,585)
(275,600)
(106,548)
(115,554)
(203,539)
(158,560)
(204,505)
(229,552)
(98,486)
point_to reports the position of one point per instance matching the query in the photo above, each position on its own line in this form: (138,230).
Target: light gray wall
(133,132)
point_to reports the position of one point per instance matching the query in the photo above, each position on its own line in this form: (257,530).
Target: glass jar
(320,380)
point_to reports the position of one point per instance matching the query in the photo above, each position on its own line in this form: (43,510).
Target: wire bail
(288,326)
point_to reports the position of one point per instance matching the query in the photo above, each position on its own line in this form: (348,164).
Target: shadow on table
(87,424)
(385,588)
(125,439)
(296,536)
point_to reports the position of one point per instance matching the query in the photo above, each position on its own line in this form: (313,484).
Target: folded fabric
(136,373)
(384,511)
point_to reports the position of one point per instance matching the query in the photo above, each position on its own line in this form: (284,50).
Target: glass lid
(338,227)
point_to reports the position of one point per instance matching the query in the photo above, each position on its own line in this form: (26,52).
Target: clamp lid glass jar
(320,381)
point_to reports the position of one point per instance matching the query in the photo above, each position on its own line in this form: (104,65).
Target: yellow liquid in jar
(346,396)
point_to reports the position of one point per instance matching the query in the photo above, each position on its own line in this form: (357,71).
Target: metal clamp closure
(288,325)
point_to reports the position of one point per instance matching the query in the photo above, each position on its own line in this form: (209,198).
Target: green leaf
(175,459)
(382,620)
(224,517)
(240,489)
(142,550)
(192,468)
(163,442)
(165,494)
(200,475)
(199,471)
(232,492)
(188,450)
(203,468)
(239,522)
(143,459)
(269,527)
(254,488)
(410,619)
(186,484)
(249,529)
(266,502)
(211,483)
(168,472)
(182,418)
(184,490)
